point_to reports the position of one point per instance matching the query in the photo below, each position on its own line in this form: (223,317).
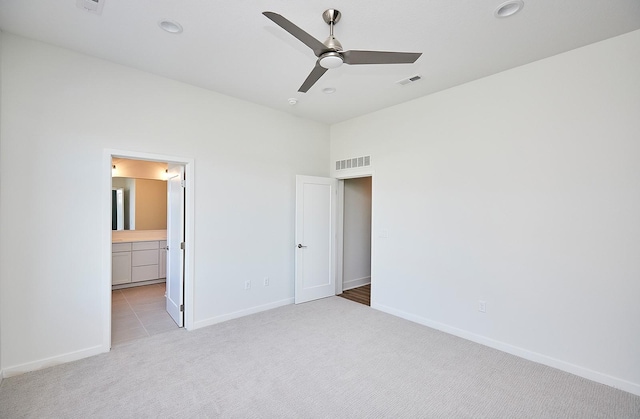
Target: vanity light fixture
(508,8)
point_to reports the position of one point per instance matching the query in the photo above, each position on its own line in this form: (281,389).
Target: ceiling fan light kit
(330,60)
(330,53)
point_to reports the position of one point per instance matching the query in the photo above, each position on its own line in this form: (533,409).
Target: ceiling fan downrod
(331,17)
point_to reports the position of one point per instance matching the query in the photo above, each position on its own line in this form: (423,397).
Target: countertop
(119,236)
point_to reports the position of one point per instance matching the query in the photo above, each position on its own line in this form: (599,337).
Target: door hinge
(181,307)
(183,183)
(182,245)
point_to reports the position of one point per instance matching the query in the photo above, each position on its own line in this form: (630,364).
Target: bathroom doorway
(141,261)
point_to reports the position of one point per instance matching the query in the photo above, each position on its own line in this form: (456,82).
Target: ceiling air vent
(93,6)
(409,80)
(353,163)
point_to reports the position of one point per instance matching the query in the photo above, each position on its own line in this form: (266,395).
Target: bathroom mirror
(139,204)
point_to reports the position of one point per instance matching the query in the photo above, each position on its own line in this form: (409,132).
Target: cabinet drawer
(144,245)
(144,273)
(144,257)
(120,247)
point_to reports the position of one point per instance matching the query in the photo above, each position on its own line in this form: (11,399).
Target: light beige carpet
(331,358)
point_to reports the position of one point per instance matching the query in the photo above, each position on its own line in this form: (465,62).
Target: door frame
(340,229)
(189,230)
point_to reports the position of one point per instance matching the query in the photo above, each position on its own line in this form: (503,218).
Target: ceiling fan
(330,53)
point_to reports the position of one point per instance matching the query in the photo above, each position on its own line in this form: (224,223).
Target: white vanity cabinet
(138,261)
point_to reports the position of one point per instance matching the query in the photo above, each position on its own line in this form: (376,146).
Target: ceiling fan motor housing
(332,43)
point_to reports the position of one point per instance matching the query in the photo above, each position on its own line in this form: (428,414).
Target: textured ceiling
(231,48)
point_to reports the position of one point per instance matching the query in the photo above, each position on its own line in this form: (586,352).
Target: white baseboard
(633,388)
(241,313)
(355,283)
(138,284)
(54,360)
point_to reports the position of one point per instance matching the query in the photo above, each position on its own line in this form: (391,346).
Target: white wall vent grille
(353,163)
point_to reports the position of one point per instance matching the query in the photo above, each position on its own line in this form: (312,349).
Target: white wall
(357,233)
(520,189)
(60,111)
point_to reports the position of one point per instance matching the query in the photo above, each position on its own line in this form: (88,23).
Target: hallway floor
(360,295)
(139,312)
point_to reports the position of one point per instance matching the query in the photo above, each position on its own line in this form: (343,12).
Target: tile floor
(139,312)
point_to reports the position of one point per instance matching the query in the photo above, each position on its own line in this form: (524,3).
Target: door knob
(301,246)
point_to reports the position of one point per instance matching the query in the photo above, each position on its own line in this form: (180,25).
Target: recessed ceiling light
(170,26)
(508,8)
(329,90)
(292,101)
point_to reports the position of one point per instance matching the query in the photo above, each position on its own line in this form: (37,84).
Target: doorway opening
(148,281)
(356,240)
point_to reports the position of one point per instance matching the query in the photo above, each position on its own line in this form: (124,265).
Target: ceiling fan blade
(379,57)
(313,77)
(317,46)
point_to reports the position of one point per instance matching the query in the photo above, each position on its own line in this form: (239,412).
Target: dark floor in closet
(360,295)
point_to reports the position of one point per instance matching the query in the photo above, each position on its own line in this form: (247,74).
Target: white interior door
(315,238)
(175,243)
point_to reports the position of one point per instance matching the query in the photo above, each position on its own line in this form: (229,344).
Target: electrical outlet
(482,306)
(265,281)
(247,284)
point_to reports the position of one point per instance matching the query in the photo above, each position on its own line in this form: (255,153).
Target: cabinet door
(120,268)
(162,260)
